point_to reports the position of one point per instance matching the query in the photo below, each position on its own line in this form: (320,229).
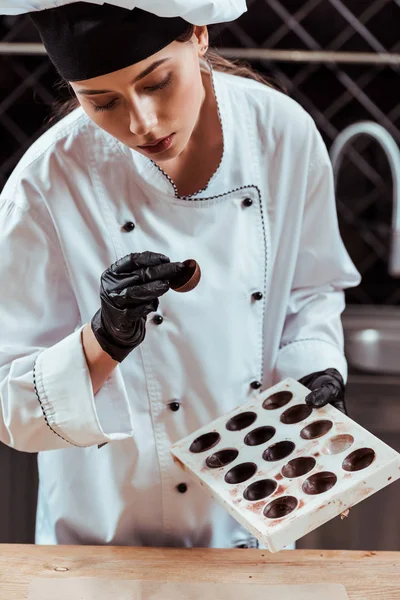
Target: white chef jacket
(265,223)
(197,12)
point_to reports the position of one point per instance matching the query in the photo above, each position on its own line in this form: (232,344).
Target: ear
(201,38)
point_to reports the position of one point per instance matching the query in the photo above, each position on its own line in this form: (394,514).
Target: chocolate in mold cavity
(278,451)
(260,489)
(241,421)
(319,483)
(338,444)
(316,429)
(222,458)
(298,467)
(205,442)
(241,473)
(277,400)
(281,507)
(258,436)
(188,279)
(295,414)
(359,459)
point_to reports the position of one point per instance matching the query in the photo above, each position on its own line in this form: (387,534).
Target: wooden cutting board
(86,588)
(365,575)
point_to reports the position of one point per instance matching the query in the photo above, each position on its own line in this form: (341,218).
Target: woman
(165,159)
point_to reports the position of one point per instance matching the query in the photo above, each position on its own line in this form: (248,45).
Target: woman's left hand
(327,387)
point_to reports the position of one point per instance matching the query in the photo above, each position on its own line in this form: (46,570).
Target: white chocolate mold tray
(281,468)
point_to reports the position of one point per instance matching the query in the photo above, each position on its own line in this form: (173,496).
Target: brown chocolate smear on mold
(338,443)
(277,400)
(188,279)
(178,462)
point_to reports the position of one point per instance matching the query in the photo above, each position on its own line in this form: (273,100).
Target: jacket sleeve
(312,338)
(46,394)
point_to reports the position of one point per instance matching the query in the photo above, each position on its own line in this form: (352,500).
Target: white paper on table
(85,588)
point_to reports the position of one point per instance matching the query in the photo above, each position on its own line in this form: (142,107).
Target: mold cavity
(338,444)
(277,400)
(295,414)
(241,473)
(316,430)
(298,467)
(359,459)
(280,507)
(205,442)
(241,421)
(222,458)
(259,436)
(278,451)
(260,489)
(319,483)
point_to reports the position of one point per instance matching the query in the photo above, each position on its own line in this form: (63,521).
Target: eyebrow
(141,75)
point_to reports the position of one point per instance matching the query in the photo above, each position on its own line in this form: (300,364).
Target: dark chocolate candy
(189,279)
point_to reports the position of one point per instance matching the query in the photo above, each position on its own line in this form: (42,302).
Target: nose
(142,118)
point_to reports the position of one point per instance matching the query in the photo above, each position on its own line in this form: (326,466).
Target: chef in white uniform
(102,366)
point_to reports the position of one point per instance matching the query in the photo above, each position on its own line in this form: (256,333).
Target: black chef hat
(86,40)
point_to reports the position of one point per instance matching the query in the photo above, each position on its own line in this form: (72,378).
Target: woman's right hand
(129,291)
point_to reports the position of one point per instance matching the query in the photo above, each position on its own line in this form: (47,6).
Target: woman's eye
(104,107)
(161,85)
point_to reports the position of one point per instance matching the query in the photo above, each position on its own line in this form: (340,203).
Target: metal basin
(372,339)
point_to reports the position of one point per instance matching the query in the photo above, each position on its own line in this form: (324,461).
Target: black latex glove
(129,291)
(327,387)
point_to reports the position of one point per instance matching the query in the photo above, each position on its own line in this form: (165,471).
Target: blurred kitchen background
(340,59)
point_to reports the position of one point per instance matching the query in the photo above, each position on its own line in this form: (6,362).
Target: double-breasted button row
(247,202)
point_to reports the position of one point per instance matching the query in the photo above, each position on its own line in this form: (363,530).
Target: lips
(152,144)
(158,146)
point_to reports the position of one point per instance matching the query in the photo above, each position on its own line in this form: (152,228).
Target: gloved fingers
(141,312)
(138,295)
(336,376)
(121,322)
(307,380)
(164,272)
(319,397)
(320,378)
(138,260)
(142,294)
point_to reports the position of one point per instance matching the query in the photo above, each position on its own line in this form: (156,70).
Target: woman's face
(153,106)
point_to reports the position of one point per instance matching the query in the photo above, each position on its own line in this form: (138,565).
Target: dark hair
(234,67)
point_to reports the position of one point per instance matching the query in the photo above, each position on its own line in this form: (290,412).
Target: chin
(175,151)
